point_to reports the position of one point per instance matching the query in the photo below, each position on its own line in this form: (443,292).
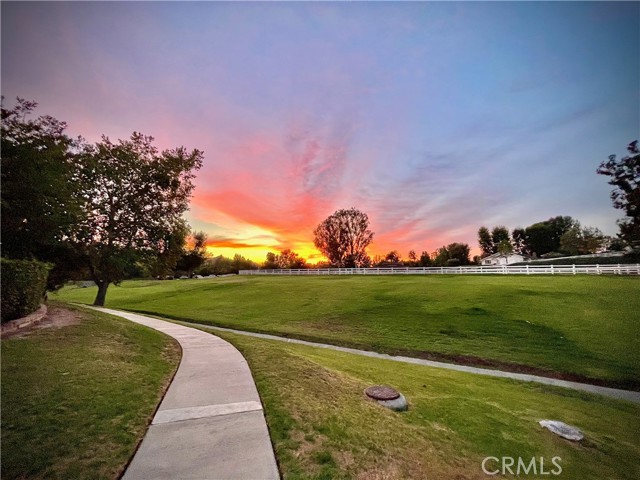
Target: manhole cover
(382,392)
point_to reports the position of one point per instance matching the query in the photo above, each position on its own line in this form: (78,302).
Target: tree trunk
(102,293)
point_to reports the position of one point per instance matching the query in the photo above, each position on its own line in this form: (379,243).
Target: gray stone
(398,404)
(562,429)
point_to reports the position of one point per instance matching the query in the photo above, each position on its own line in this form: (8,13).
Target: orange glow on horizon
(258,253)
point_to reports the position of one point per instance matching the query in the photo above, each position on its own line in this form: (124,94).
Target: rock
(398,404)
(562,429)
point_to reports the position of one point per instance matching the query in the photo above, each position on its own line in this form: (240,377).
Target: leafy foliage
(499,234)
(222,265)
(452,255)
(485,241)
(286,259)
(425,259)
(195,256)
(39,189)
(625,177)
(133,197)
(392,256)
(544,237)
(24,284)
(581,240)
(519,240)
(343,238)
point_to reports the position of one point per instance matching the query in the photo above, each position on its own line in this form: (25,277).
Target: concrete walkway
(210,424)
(619,394)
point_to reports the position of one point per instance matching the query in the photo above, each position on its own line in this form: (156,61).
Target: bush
(586,260)
(24,283)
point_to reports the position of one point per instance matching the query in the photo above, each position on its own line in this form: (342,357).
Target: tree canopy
(286,259)
(625,177)
(580,240)
(343,238)
(495,241)
(133,198)
(39,189)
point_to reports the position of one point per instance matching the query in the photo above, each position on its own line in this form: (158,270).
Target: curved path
(629,395)
(210,424)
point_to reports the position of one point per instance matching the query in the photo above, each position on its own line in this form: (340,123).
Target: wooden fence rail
(621,269)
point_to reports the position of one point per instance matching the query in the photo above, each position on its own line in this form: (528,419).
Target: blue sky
(433,118)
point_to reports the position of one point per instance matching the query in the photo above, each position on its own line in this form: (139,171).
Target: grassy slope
(322,426)
(582,325)
(76,400)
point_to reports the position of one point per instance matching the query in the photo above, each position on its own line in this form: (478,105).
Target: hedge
(626,259)
(24,283)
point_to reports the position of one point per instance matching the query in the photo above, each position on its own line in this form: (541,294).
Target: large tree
(544,237)
(581,240)
(39,190)
(499,234)
(133,197)
(343,238)
(454,254)
(625,177)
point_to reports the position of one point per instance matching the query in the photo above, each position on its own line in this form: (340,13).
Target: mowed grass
(324,427)
(76,400)
(587,327)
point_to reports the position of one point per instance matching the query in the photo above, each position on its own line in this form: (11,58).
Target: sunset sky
(433,118)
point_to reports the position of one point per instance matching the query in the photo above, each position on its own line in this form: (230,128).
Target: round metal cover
(382,392)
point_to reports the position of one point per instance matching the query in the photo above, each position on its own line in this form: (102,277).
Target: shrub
(23,287)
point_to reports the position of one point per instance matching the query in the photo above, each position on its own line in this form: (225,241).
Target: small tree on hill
(343,238)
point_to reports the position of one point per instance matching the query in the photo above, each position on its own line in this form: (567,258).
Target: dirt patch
(57,317)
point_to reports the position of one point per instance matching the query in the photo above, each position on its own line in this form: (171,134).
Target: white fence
(622,269)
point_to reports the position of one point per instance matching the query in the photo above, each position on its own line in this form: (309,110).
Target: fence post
(573,268)
(527,269)
(598,268)
(552,269)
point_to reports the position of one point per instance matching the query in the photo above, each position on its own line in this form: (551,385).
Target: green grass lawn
(584,326)
(323,427)
(76,400)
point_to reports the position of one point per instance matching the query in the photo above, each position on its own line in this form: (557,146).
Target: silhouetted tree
(343,238)
(286,259)
(544,237)
(41,198)
(193,257)
(393,256)
(499,234)
(625,177)
(133,199)
(451,255)
(413,258)
(519,241)
(425,259)
(459,252)
(485,241)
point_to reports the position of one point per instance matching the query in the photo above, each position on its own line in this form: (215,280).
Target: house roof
(503,255)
